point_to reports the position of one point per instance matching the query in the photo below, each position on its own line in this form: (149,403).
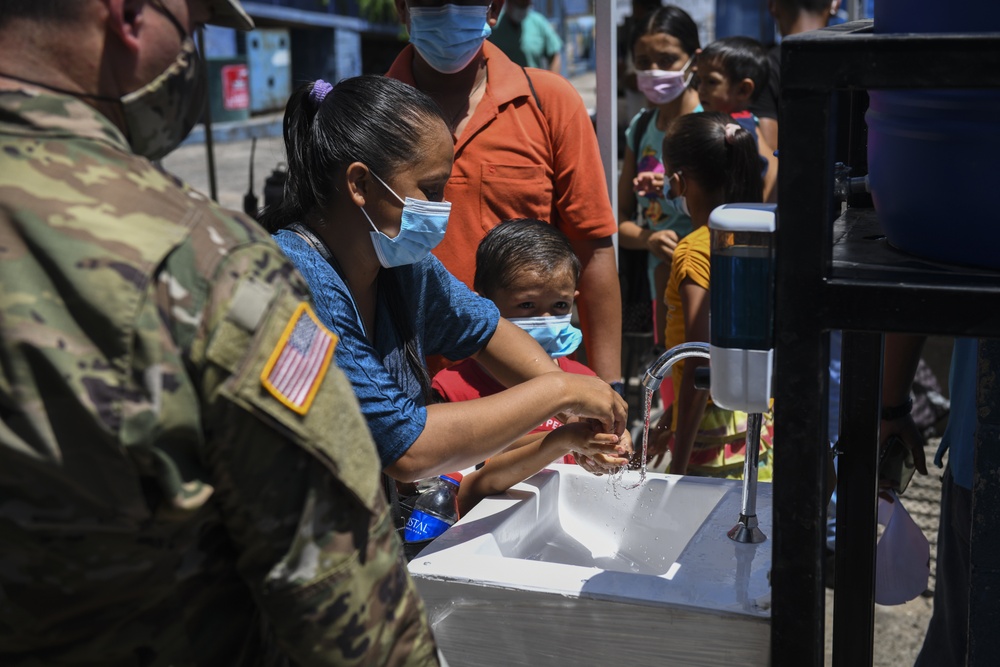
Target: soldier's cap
(230,14)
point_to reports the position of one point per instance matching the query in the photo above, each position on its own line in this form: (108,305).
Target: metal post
(984,572)
(605,39)
(746,530)
(857,486)
(802,358)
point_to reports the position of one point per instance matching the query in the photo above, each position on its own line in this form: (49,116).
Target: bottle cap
(453,477)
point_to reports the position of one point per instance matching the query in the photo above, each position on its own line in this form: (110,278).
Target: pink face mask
(663,86)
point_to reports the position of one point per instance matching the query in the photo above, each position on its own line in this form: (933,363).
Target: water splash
(616,480)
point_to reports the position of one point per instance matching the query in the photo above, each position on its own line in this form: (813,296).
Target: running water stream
(616,480)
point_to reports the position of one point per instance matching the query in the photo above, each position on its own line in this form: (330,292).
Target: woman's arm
(459,435)
(690,401)
(512,356)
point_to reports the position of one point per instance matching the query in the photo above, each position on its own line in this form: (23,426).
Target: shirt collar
(505,80)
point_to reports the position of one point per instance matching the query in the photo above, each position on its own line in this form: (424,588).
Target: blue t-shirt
(959,435)
(446,317)
(655,212)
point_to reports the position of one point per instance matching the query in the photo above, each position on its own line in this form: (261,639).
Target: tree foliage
(378,11)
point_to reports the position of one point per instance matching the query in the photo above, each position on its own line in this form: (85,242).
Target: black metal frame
(837,273)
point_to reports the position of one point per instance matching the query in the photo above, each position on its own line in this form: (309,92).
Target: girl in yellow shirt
(709,161)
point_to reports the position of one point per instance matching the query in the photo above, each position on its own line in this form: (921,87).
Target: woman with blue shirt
(368,161)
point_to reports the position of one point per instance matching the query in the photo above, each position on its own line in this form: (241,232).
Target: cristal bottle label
(423,526)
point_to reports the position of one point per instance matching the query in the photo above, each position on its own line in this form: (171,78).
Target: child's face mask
(554,333)
(663,86)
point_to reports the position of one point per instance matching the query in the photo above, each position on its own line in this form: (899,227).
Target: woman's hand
(592,398)
(662,244)
(648,184)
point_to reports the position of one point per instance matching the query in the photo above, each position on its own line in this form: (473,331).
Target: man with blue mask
(179,486)
(524,147)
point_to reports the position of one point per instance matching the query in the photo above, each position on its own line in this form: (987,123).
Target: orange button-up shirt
(515,160)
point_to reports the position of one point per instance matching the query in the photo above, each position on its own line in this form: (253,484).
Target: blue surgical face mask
(448,37)
(554,333)
(420,230)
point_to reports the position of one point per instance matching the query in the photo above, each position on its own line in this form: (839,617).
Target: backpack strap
(532,86)
(645,116)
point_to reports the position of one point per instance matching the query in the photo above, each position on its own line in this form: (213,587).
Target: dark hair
(808,6)
(520,245)
(670,20)
(371,119)
(696,144)
(740,58)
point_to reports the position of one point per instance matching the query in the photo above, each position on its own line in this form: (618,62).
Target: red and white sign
(235,87)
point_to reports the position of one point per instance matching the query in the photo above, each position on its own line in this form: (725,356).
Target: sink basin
(562,570)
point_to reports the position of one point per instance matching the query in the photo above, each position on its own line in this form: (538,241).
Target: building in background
(303,40)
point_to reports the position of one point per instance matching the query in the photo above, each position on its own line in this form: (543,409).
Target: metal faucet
(654,375)
(746,529)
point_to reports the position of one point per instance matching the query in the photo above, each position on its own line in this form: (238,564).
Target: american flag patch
(296,368)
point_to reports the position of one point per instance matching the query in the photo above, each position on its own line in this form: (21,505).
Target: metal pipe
(654,375)
(606,49)
(746,529)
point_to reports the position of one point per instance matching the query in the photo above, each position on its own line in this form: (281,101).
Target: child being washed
(528,269)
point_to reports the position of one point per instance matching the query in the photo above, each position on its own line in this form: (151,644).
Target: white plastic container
(742,306)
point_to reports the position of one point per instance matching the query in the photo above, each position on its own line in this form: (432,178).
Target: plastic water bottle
(435,510)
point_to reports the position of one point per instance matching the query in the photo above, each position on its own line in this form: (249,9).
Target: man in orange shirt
(524,148)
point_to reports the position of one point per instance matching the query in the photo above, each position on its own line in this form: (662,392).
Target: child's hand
(603,451)
(648,184)
(662,243)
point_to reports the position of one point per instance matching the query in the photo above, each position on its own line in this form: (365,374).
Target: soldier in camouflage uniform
(185,478)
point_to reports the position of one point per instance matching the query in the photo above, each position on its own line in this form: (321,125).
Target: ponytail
(371,119)
(743,182)
(299,195)
(716,152)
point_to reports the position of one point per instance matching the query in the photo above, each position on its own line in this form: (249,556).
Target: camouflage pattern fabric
(158,505)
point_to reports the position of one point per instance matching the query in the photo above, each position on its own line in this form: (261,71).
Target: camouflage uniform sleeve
(296,474)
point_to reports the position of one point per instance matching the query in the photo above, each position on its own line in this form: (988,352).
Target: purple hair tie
(319,91)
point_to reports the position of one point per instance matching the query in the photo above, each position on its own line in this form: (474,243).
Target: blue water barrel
(932,153)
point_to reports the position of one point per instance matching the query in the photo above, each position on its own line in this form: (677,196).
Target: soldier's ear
(125,21)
